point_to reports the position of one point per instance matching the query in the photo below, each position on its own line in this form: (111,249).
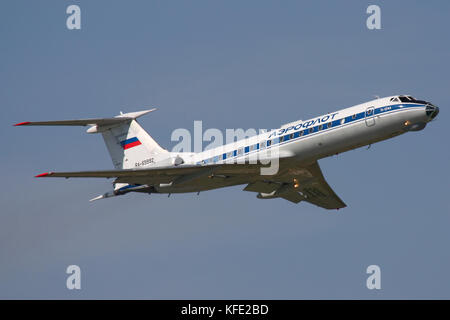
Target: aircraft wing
(293,196)
(317,191)
(311,184)
(121,173)
(299,183)
(175,174)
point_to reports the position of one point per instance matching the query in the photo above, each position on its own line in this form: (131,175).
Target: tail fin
(129,145)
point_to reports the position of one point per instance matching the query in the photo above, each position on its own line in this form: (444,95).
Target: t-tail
(128,144)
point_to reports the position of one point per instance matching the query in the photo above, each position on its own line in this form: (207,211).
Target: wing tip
(21,123)
(45,174)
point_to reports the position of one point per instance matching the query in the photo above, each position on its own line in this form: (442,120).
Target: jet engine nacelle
(177,160)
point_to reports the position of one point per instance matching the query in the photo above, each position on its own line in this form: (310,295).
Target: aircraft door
(370,116)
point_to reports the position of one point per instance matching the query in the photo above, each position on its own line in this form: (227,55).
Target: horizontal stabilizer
(89,122)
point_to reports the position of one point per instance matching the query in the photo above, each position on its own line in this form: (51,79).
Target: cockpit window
(411,99)
(394,99)
(405,99)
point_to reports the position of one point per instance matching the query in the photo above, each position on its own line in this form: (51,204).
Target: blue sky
(231,64)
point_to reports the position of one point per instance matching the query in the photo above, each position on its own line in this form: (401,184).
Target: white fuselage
(326,135)
(304,142)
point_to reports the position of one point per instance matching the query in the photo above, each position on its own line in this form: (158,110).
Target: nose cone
(431,111)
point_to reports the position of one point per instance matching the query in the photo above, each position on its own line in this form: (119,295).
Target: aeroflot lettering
(304,125)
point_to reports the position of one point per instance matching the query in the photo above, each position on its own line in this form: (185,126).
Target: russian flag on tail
(130,143)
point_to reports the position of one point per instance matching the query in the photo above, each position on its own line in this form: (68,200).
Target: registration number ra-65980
(144,162)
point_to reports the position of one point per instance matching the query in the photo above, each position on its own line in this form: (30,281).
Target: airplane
(143,166)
